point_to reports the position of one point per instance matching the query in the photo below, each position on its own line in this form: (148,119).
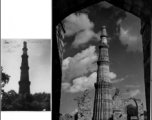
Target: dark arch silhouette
(63,8)
(135,101)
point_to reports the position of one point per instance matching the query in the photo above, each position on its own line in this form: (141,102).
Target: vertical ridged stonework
(24,83)
(103,100)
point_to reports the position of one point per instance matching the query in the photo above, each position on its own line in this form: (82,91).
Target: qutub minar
(24,83)
(103,99)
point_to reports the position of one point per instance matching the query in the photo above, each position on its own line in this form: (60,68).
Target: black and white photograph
(105,52)
(29,22)
(26,75)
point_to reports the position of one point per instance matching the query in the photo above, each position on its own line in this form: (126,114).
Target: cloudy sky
(39,53)
(81,53)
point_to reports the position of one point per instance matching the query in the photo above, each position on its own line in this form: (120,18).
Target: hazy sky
(81,53)
(39,52)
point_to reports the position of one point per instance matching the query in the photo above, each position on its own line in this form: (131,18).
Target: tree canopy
(4,79)
(12,101)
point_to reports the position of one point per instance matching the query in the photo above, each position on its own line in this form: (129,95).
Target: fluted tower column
(24,83)
(103,100)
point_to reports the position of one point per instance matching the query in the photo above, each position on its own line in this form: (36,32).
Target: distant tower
(103,100)
(24,83)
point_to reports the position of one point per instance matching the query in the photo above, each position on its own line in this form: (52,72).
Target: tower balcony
(103,84)
(103,32)
(24,67)
(103,62)
(25,56)
(103,45)
(23,82)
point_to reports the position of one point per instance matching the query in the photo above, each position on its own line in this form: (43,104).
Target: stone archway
(62,8)
(139,107)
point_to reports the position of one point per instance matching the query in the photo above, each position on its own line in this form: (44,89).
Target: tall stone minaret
(24,83)
(103,100)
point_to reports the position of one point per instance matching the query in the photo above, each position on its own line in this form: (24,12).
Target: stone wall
(84,106)
(146,37)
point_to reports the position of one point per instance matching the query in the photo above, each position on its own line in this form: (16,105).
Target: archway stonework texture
(63,8)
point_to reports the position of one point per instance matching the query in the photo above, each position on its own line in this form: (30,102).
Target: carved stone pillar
(57,53)
(60,31)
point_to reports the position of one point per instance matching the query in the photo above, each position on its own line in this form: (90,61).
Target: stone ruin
(66,117)
(119,107)
(84,106)
(140,110)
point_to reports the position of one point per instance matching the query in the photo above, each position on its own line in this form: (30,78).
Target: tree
(4,80)
(43,99)
(27,102)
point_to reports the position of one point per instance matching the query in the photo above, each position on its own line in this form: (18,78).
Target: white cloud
(75,23)
(75,70)
(83,37)
(133,93)
(82,83)
(79,65)
(112,75)
(66,63)
(117,80)
(132,86)
(130,32)
(80,26)
(133,41)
